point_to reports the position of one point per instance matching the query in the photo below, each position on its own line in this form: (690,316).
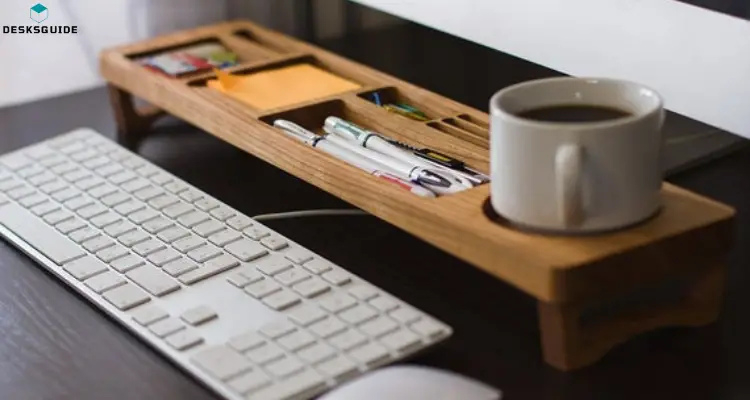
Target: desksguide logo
(38,14)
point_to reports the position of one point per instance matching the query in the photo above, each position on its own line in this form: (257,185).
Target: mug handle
(568,171)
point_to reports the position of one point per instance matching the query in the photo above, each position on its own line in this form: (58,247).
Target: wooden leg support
(133,124)
(570,342)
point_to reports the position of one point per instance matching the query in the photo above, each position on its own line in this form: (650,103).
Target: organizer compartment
(455,131)
(392,95)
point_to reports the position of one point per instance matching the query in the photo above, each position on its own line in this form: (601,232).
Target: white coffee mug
(576,177)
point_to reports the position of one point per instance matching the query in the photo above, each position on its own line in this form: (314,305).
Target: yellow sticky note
(281,87)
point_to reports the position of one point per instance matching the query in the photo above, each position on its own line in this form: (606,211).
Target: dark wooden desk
(53,345)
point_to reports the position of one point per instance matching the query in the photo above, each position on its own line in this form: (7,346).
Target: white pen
(373,141)
(364,163)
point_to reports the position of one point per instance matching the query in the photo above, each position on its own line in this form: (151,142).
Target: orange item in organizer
(281,87)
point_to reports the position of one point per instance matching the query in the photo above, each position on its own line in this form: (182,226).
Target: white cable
(308,213)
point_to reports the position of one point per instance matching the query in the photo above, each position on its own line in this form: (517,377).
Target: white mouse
(413,383)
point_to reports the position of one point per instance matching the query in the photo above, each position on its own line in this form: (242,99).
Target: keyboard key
(119,228)
(292,276)
(379,327)
(44,208)
(337,368)
(405,315)
(239,280)
(148,193)
(209,269)
(122,177)
(147,247)
(132,163)
(262,288)
(129,207)
(147,315)
(33,200)
(246,341)
(114,199)
(274,243)
(127,263)
(56,217)
(89,183)
(249,382)
(246,250)
(402,340)
(277,329)
(109,170)
(224,237)
(66,194)
(78,203)
(428,328)
(163,201)
(298,255)
(153,280)
(265,353)
(21,192)
(76,175)
(53,187)
(8,185)
(175,187)
(204,253)
(139,217)
(191,195)
(177,209)
(384,304)
(70,225)
(192,218)
(162,257)
(274,265)
(338,302)
(132,238)
(84,155)
(306,314)
(179,267)
(318,266)
(135,185)
(97,162)
(284,367)
(38,180)
(105,281)
(102,190)
(221,362)
(206,204)
(166,327)
(189,243)
(172,234)
(311,287)
(222,213)
(92,211)
(370,354)
(30,171)
(316,353)
(347,340)
(337,276)
(97,243)
(112,253)
(363,292)
(239,222)
(126,297)
(84,268)
(198,315)
(108,218)
(183,340)
(208,228)
(15,161)
(148,171)
(328,327)
(256,232)
(281,300)
(358,314)
(296,340)
(83,234)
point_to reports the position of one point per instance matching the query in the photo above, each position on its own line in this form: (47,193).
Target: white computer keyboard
(243,309)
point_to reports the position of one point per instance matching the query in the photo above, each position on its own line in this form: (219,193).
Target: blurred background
(25,60)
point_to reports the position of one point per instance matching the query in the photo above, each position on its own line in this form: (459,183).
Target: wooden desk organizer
(593,292)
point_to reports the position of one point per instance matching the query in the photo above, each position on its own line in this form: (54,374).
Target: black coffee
(573,113)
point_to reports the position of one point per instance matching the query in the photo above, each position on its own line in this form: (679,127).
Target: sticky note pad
(282,86)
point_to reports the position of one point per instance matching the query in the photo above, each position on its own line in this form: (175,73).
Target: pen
(373,141)
(367,165)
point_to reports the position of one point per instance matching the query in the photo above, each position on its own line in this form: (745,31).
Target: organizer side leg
(568,344)
(133,124)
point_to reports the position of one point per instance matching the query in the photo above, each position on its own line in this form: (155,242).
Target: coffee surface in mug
(573,113)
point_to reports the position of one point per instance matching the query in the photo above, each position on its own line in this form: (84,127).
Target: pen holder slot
(394,96)
(263,40)
(460,133)
(243,52)
(476,121)
(467,126)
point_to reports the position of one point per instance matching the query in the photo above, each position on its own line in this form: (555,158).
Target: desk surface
(53,345)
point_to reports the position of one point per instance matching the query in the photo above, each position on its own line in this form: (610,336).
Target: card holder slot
(467,126)
(476,121)
(249,50)
(250,67)
(266,40)
(462,134)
